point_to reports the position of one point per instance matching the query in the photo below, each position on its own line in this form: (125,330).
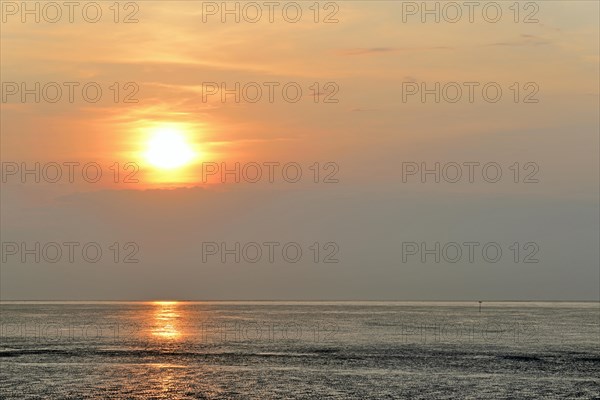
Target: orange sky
(170,53)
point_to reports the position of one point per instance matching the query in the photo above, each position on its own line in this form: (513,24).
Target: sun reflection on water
(166,320)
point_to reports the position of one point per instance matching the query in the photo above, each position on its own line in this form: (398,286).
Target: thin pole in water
(479,305)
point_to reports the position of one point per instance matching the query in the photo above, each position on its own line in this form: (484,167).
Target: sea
(299,350)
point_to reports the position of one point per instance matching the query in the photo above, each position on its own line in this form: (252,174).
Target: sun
(168,148)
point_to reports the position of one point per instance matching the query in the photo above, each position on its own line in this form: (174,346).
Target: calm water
(290,350)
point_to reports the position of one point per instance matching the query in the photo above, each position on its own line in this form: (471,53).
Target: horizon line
(301,300)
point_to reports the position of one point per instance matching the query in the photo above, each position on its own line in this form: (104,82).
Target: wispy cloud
(384,50)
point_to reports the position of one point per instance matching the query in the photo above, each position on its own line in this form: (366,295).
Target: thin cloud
(524,40)
(384,50)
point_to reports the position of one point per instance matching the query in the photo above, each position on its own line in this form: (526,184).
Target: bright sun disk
(168,148)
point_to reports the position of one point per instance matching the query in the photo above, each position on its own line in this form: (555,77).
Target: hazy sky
(362,212)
